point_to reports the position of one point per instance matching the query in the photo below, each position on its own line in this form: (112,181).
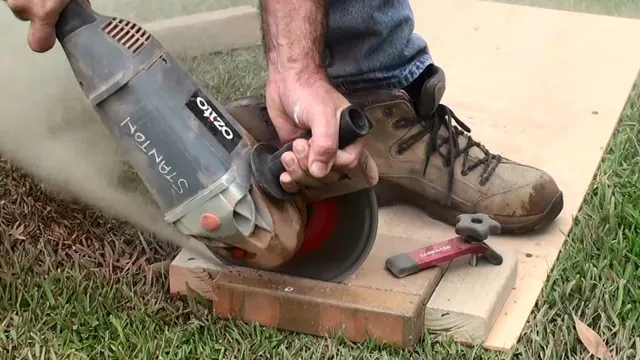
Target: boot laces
(431,125)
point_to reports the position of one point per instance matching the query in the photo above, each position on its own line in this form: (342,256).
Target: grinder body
(195,158)
(189,152)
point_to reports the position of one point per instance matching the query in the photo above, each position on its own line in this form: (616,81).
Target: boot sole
(389,194)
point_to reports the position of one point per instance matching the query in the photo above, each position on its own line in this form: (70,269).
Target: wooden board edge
(467,301)
(208,32)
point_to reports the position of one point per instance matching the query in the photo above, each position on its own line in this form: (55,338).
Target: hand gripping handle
(353,125)
(76,15)
(267,165)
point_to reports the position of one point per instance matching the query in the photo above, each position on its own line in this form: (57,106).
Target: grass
(76,285)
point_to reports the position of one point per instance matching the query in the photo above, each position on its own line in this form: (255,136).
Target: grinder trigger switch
(266,161)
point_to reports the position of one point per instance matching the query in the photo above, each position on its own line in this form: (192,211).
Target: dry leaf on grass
(591,340)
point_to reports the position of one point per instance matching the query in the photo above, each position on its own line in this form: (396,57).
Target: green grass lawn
(73,284)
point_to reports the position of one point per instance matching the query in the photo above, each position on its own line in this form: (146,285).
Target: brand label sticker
(211,118)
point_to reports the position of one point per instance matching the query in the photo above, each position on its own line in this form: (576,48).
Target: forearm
(294,33)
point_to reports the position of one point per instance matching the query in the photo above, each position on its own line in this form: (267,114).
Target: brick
(300,315)
(335,319)
(386,326)
(261,307)
(319,308)
(228,301)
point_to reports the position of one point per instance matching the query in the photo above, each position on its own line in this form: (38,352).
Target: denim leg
(372,44)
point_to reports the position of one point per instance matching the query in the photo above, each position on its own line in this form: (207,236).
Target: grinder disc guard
(339,235)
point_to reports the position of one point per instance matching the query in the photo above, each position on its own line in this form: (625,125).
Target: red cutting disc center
(321,224)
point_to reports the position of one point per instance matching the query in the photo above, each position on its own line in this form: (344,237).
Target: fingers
(349,157)
(323,144)
(20,9)
(295,163)
(42,36)
(297,174)
(43,15)
(288,184)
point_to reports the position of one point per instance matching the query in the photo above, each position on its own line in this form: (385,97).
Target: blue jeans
(372,44)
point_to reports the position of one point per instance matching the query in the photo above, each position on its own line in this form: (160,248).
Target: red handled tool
(472,230)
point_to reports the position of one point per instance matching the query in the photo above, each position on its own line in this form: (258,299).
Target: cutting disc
(339,235)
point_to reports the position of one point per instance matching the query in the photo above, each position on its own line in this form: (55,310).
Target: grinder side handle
(353,125)
(265,158)
(76,14)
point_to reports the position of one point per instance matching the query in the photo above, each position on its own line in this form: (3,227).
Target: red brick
(227,302)
(301,315)
(334,319)
(319,308)
(386,327)
(262,308)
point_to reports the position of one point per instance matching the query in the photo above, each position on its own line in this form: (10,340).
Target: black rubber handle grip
(353,125)
(76,15)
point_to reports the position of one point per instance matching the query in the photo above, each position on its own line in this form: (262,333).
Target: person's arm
(299,94)
(294,36)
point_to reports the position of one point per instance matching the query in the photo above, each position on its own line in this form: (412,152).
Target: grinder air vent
(127,33)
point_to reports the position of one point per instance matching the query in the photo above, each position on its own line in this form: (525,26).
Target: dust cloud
(48,128)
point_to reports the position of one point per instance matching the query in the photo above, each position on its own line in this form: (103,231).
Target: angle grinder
(196,159)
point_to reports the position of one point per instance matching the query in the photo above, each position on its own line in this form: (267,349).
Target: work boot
(411,143)
(426,158)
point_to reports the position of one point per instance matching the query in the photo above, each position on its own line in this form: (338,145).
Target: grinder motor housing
(186,148)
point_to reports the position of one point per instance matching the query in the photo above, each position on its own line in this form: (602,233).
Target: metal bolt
(288,289)
(473,262)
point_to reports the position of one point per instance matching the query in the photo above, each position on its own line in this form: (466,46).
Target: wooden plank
(208,32)
(468,300)
(471,298)
(516,83)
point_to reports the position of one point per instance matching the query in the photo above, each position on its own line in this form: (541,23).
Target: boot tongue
(432,92)
(431,95)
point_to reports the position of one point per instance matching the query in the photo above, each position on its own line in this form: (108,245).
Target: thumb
(323,144)
(42,35)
